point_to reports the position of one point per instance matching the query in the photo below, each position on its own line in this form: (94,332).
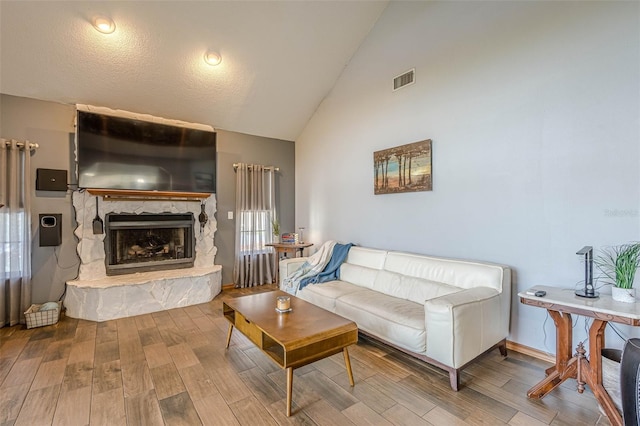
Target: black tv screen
(124,153)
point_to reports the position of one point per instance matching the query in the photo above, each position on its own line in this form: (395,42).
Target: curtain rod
(275,169)
(22,144)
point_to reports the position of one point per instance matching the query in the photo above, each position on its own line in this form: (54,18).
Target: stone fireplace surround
(97,297)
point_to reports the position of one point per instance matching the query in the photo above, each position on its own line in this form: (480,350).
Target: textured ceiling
(280,59)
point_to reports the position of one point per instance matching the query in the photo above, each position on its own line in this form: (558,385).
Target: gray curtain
(255,212)
(15,231)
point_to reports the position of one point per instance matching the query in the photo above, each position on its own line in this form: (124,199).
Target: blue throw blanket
(330,272)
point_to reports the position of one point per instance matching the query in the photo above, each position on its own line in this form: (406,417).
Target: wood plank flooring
(172,368)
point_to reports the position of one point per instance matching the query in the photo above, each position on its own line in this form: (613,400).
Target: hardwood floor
(172,368)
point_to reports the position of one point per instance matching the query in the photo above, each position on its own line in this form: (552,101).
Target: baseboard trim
(526,350)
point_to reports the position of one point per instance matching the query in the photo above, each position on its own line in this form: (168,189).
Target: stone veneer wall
(91,246)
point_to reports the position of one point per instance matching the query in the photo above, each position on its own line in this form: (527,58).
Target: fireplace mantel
(128,194)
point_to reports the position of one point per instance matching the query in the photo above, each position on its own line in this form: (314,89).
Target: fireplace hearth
(148,242)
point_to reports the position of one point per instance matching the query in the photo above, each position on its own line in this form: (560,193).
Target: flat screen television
(125,153)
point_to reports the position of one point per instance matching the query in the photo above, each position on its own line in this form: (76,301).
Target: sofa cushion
(389,283)
(420,290)
(459,273)
(398,321)
(371,258)
(325,294)
(409,288)
(359,275)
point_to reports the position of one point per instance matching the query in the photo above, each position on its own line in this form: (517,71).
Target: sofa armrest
(288,266)
(460,326)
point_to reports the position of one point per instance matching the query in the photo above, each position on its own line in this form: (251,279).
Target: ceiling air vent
(405,79)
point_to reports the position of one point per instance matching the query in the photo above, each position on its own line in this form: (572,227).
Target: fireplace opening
(148,242)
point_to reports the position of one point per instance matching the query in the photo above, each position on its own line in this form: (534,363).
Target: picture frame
(404,168)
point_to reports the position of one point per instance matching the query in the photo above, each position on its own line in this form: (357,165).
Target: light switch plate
(230,215)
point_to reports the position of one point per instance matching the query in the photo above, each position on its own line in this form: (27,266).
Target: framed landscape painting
(405,168)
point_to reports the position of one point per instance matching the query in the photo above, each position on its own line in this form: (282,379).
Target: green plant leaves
(619,264)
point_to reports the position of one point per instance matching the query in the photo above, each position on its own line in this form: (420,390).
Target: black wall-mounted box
(50,229)
(51,180)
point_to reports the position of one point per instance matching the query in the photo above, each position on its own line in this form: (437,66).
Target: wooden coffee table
(293,339)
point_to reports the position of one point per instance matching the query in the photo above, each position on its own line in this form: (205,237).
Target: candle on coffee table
(283,303)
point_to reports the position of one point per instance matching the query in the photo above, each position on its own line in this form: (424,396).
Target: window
(255,231)
(11,261)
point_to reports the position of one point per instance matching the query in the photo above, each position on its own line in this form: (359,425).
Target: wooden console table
(561,303)
(284,248)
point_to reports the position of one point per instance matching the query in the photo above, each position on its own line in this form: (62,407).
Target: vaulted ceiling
(279,59)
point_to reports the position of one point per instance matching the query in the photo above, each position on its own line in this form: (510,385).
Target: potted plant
(618,265)
(275,228)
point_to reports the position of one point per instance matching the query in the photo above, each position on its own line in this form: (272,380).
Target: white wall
(533,109)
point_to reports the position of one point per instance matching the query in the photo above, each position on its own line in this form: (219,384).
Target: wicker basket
(37,318)
(611,375)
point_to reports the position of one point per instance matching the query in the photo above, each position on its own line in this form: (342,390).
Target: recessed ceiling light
(212,58)
(104,25)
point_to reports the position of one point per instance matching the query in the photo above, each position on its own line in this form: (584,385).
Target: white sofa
(446,312)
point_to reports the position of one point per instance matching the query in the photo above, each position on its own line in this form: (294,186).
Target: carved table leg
(580,351)
(566,365)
